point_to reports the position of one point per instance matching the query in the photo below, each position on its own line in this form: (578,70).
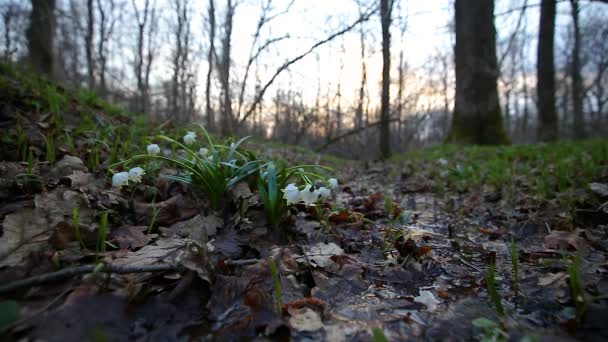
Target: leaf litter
(419,277)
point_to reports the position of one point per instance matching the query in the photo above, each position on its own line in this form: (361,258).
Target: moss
(485,129)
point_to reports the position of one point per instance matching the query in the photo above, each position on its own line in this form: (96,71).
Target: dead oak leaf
(561,240)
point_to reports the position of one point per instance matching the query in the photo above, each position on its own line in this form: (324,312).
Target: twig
(241,262)
(74,271)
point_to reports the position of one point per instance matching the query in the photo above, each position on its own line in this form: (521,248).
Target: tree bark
(385,18)
(88,39)
(40,36)
(226,101)
(577,82)
(210,62)
(545,74)
(477,116)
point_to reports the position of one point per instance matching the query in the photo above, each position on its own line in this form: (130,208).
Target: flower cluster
(122,178)
(309,194)
(189,138)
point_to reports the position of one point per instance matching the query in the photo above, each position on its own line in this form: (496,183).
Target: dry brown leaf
(165,250)
(565,240)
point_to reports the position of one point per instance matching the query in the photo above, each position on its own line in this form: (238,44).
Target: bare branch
(288,63)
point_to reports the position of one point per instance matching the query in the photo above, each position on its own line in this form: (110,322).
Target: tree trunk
(226,101)
(385,16)
(545,74)
(40,36)
(577,83)
(210,62)
(88,39)
(477,116)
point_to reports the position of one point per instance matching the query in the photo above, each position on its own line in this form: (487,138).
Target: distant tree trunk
(339,91)
(477,117)
(142,22)
(40,36)
(545,73)
(577,82)
(105,31)
(361,100)
(210,62)
(226,101)
(88,39)
(7,17)
(385,138)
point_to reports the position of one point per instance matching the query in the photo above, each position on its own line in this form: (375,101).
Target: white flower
(120,179)
(308,195)
(135,174)
(190,138)
(324,192)
(203,152)
(332,183)
(153,149)
(291,193)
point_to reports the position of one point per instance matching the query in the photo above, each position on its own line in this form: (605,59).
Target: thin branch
(287,64)
(349,133)
(74,271)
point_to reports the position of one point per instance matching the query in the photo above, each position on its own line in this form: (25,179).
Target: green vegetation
(490,330)
(581,302)
(546,169)
(276,282)
(492,290)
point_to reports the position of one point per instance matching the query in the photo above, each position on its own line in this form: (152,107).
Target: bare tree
(477,116)
(386,7)
(260,95)
(545,73)
(226,97)
(575,74)
(88,39)
(362,87)
(9,14)
(256,48)
(143,61)
(40,36)
(107,19)
(211,63)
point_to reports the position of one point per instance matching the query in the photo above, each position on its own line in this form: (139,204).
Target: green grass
(544,169)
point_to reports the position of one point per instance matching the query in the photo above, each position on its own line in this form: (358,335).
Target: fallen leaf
(427,298)
(25,231)
(304,319)
(165,250)
(28,230)
(340,217)
(550,278)
(130,237)
(561,240)
(198,228)
(175,209)
(321,253)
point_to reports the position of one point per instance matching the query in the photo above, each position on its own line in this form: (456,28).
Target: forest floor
(447,243)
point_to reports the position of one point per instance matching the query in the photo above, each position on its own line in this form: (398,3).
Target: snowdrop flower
(153,149)
(324,192)
(203,152)
(332,183)
(308,195)
(135,174)
(120,179)
(190,138)
(291,193)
